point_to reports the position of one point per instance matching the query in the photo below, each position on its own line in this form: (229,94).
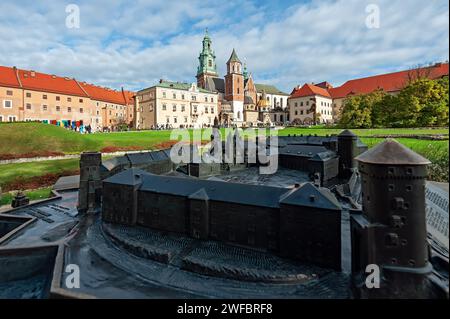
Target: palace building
(322,103)
(175,105)
(26,95)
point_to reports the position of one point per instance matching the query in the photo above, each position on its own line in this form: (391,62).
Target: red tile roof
(32,80)
(8,77)
(309,90)
(389,82)
(129,96)
(103,94)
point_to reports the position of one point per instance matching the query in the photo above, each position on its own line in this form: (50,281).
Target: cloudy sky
(135,43)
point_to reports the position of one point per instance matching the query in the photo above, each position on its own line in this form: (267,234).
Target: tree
(423,102)
(356,113)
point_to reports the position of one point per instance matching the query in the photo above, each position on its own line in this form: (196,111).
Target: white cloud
(133,45)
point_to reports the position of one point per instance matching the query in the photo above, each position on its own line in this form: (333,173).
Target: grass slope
(36,138)
(42,193)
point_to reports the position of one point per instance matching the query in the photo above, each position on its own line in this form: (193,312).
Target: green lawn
(36,138)
(41,193)
(365,132)
(35,173)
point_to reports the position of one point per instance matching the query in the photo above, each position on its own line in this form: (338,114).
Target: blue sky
(286,43)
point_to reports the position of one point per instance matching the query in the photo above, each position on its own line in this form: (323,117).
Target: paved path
(54,158)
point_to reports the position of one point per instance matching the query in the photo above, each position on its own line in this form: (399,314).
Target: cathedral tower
(207,62)
(234,86)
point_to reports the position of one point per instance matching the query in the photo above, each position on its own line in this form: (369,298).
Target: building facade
(175,105)
(33,96)
(310,104)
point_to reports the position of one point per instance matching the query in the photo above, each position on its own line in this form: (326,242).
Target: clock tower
(234,86)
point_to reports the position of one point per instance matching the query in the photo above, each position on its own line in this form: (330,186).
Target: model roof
(310,196)
(245,194)
(302,150)
(391,152)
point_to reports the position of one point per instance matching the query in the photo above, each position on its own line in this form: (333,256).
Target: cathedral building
(239,96)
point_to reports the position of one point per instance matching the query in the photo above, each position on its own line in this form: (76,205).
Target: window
(212,110)
(28,106)
(183,107)
(164,106)
(44,96)
(28,94)
(206,99)
(174,119)
(185,119)
(182,96)
(69,99)
(174,96)
(81,110)
(1,118)
(296,104)
(174,108)
(69,109)
(194,98)
(301,112)
(58,108)
(164,94)
(12,118)
(168,120)
(7,104)
(307,102)
(296,112)
(98,113)
(195,108)
(9,92)
(301,103)
(209,63)
(206,109)
(44,107)
(212,100)
(81,100)
(58,98)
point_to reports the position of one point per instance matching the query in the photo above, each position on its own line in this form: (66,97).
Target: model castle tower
(90,181)
(391,231)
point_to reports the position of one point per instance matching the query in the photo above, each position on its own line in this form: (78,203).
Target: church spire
(207,58)
(245,73)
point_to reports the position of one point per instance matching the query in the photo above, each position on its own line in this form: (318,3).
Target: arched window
(209,63)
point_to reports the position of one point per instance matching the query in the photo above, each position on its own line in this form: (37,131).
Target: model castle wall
(302,223)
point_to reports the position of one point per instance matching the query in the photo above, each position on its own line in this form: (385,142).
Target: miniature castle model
(301,223)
